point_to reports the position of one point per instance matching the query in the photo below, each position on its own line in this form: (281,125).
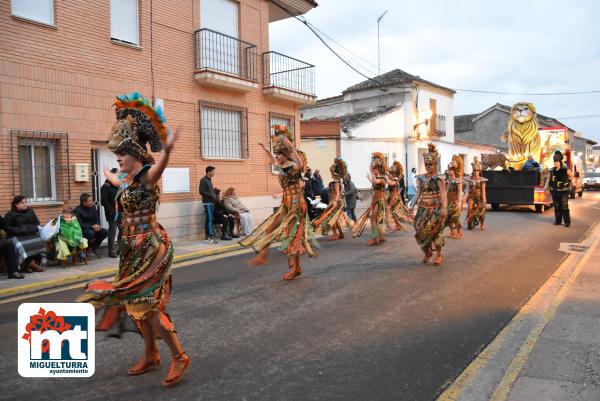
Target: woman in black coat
(224,218)
(23,225)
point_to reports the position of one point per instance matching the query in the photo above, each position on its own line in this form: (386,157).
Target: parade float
(510,184)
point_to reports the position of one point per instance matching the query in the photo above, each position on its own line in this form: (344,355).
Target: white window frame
(137,25)
(223,154)
(52,153)
(33,18)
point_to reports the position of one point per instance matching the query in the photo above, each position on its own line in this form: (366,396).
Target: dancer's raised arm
(155,172)
(273,159)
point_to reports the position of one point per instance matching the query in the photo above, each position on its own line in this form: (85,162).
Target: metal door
(101,159)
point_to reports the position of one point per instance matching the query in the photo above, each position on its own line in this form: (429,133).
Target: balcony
(223,61)
(437,125)
(288,79)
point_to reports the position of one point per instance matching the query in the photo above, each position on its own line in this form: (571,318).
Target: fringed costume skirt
(143,283)
(399,212)
(289,224)
(382,213)
(331,216)
(453,214)
(429,226)
(476,213)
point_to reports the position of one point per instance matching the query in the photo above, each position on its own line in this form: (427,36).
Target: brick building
(207,62)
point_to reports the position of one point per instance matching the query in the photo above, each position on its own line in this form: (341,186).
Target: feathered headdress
(457,164)
(283,130)
(432,156)
(339,168)
(476,165)
(138,124)
(378,160)
(396,169)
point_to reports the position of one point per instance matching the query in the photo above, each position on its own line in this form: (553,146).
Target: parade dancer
(432,210)
(333,218)
(398,210)
(378,213)
(559,183)
(454,194)
(290,223)
(476,197)
(142,285)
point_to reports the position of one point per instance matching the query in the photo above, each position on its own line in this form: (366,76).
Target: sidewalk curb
(107,272)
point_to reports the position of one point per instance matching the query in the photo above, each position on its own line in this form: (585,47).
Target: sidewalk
(550,351)
(56,276)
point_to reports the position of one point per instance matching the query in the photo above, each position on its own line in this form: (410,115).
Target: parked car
(591,181)
(577,185)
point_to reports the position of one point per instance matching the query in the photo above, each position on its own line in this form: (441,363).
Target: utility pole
(378,47)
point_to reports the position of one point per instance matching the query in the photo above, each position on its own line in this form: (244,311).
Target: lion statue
(523,136)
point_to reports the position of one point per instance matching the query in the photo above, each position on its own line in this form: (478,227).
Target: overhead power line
(528,93)
(578,117)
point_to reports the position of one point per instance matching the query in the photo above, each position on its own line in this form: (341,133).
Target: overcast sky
(508,46)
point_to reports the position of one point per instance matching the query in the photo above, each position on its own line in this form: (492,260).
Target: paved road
(360,324)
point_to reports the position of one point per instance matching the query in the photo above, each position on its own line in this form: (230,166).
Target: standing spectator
(88,216)
(23,226)
(234,205)
(317,181)
(350,195)
(308,184)
(108,193)
(412,184)
(224,218)
(208,200)
(8,251)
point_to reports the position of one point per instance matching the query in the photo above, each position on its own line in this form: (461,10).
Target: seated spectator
(234,205)
(224,218)
(89,219)
(23,228)
(70,238)
(531,164)
(9,253)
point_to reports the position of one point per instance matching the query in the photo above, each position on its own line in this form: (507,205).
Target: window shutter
(35,10)
(220,16)
(124,20)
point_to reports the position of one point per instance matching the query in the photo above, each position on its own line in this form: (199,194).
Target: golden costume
(398,210)
(334,216)
(476,201)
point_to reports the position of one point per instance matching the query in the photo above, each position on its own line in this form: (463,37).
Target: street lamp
(426,115)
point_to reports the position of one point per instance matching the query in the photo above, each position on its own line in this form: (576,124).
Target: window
(124,21)
(223,131)
(220,47)
(37,176)
(35,10)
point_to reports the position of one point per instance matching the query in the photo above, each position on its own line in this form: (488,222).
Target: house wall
(488,130)
(65,79)
(320,153)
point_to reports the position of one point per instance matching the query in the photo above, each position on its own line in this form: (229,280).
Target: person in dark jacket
(559,184)
(8,251)
(23,226)
(350,196)
(224,218)
(317,182)
(208,200)
(89,219)
(108,193)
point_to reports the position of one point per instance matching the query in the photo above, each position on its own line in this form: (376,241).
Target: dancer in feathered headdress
(378,213)
(290,223)
(454,194)
(432,210)
(395,201)
(476,197)
(142,285)
(334,218)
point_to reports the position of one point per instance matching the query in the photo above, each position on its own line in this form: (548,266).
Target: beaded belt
(138,222)
(430,201)
(452,196)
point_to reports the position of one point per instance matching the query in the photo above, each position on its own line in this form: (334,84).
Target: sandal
(179,364)
(438,260)
(143,366)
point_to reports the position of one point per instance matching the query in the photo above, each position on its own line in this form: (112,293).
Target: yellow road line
(9,292)
(518,363)
(462,382)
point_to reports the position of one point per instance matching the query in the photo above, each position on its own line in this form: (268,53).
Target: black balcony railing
(287,72)
(224,53)
(437,125)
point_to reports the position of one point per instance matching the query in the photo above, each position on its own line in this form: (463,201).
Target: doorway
(101,159)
